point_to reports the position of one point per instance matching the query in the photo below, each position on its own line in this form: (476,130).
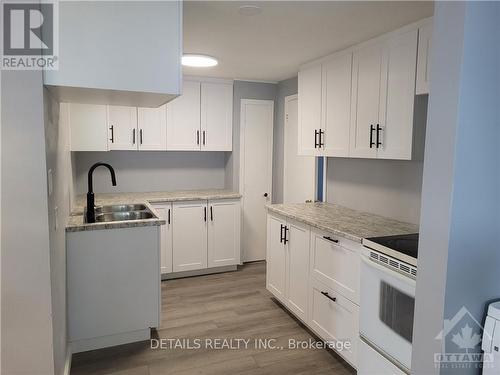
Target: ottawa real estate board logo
(30,35)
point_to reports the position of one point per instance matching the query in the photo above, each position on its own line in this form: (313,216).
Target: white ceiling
(272,45)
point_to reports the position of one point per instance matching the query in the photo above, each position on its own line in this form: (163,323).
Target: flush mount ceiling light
(249,10)
(198,61)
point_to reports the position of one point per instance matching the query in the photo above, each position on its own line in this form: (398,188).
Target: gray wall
(243,90)
(151,171)
(58,159)
(25,287)
(285,88)
(460,225)
(389,188)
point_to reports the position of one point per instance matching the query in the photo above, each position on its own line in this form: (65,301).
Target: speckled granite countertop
(76,224)
(342,221)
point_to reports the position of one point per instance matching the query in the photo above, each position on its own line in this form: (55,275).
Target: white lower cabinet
(315,275)
(189,236)
(288,263)
(223,232)
(199,234)
(335,319)
(165,213)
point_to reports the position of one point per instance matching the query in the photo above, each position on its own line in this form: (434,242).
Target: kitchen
(226,205)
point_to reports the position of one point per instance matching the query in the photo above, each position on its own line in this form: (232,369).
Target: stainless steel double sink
(122,212)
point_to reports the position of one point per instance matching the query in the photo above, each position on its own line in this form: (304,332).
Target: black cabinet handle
(285,239)
(205,213)
(281,233)
(316,145)
(197,137)
(321,133)
(133,136)
(168,219)
(329,297)
(371,136)
(140,136)
(378,143)
(331,239)
(211,213)
(203,137)
(112,128)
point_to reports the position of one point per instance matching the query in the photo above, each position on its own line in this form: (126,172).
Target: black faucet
(90,195)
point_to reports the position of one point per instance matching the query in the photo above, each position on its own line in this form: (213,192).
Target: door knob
(266,195)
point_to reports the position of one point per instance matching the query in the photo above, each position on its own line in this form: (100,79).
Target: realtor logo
(29,35)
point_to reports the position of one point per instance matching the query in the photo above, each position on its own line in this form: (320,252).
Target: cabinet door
(398,97)
(276,257)
(335,262)
(122,125)
(297,268)
(367,64)
(183,119)
(335,319)
(216,116)
(88,127)
(424,47)
(165,213)
(189,236)
(337,74)
(152,127)
(223,233)
(309,93)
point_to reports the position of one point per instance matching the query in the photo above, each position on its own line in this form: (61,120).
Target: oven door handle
(381,268)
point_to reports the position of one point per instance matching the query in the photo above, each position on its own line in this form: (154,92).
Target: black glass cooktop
(405,243)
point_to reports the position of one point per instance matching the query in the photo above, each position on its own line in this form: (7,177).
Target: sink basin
(121,216)
(119,208)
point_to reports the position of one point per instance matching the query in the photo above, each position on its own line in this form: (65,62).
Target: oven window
(396,310)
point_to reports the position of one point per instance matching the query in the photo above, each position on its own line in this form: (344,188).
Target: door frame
(241,180)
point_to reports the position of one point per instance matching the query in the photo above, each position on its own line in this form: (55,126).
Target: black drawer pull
(169,216)
(281,233)
(285,238)
(371,136)
(331,239)
(329,297)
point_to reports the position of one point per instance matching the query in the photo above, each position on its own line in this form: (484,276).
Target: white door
(189,236)
(398,97)
(276,257)
(88,126)
(297,268)
(216,116)
(298,171)
(337,75)
(152,126)
(122,125)
(309,110)
(223,232)
(165,213)
(367,65)
(183,119)
(256,161)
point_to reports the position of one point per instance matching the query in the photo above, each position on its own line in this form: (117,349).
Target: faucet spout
(90,214)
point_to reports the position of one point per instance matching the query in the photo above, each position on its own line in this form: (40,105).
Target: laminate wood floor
(233,305)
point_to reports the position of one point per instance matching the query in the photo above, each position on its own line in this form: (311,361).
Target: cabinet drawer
(335,321)
(335,262)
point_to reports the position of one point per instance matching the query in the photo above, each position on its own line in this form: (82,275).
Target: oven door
(386,311)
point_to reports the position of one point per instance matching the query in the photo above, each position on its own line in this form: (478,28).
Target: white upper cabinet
(337,73)
(183,119)
(118,52)
(309,110)
(397,97)
(424,47)
(216,116)
(122,127)
(360,102)
(202,117)
(152,128)
(365,100)
(88,126)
